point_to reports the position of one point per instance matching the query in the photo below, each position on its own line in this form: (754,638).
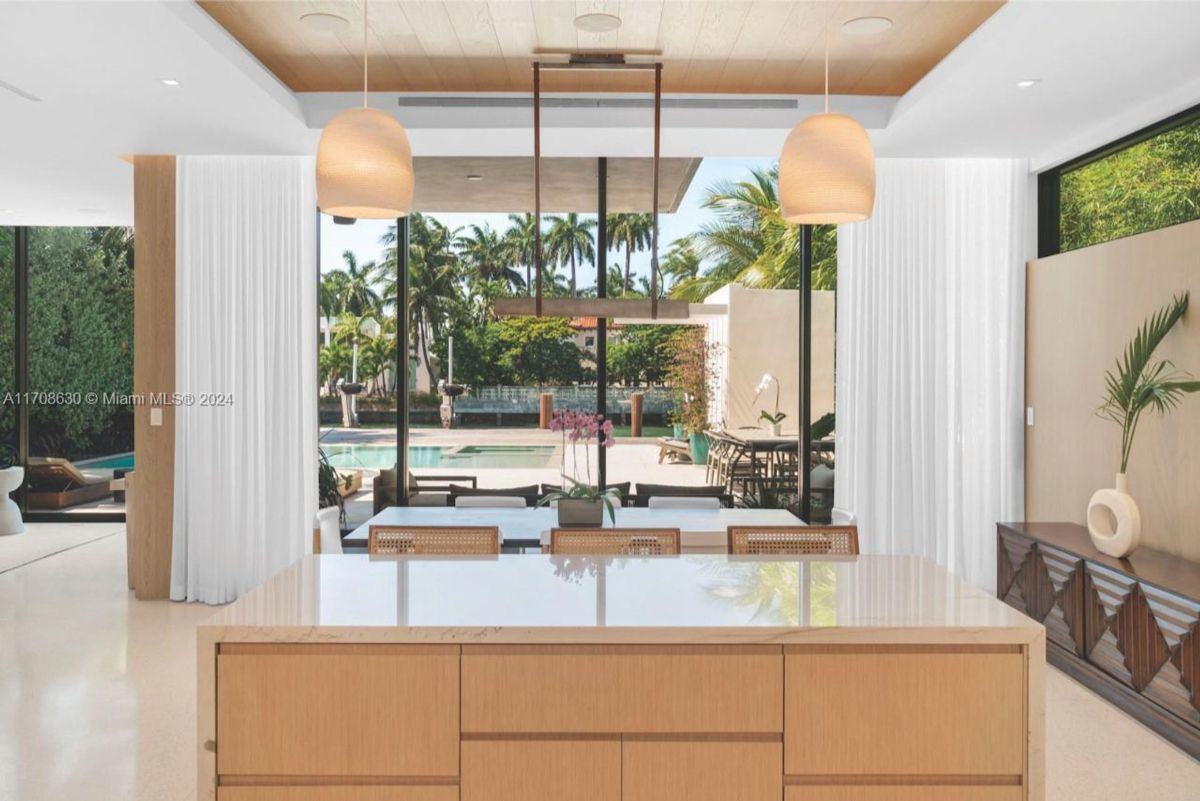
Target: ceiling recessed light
(169,81)
(597,22)
(866,26)
(324,22)
(1028,82)
(474,177)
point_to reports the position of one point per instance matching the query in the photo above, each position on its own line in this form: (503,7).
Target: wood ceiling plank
(431,23)
(517,36)
(757,43)
(476,33)
(719,46)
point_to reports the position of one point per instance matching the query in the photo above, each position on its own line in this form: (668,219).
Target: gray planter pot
(574,512)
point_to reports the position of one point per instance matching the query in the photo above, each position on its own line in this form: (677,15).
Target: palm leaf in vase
(1138,383)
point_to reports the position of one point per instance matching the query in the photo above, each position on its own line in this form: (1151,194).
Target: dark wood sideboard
(1127,628)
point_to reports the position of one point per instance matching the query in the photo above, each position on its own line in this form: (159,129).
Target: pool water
(378,457)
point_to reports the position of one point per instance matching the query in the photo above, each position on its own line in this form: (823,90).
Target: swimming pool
(379,457)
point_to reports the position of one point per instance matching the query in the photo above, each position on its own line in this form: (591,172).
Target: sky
(363,237)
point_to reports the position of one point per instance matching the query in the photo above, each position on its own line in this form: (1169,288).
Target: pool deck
(631,459)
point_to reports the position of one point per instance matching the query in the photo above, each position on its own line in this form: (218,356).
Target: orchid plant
(578,429)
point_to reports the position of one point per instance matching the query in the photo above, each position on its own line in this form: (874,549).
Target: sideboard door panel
(337,710)
(702,771)
(958,712)
(541,770)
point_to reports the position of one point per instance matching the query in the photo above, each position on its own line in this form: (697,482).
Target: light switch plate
(1029,416)
(156,415)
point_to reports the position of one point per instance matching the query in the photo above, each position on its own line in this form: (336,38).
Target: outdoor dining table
(701,530)
(762,443)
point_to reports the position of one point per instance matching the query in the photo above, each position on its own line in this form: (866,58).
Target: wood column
(150,504)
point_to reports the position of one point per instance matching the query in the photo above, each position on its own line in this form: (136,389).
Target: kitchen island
(358,678)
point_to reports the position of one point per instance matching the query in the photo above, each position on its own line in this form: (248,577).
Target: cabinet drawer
(902,793)
(541,770)
(701,771)
(586,689)
(348,710)
(338,793)
(906,711)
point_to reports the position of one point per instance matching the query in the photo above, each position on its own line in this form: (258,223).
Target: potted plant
(689,375)
(330,485)
(580,502)
(774,421)
(1135,385)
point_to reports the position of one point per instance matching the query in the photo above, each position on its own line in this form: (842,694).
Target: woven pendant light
(364,161)
(827,168)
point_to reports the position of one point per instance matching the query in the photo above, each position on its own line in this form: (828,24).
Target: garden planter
(677,430)
(575,512)
(698,444)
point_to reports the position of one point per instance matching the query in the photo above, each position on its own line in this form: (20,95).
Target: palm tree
(520,239)
(630,232)
(570,241)
(356,292)
(434,294)
(681,262)
(489,257)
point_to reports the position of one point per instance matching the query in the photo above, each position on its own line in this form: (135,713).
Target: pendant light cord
(826,59)
(365,54)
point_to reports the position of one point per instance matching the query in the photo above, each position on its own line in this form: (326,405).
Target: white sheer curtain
(930,361)
(245,308)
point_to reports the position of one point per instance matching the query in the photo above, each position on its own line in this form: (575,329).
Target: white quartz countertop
(698,598)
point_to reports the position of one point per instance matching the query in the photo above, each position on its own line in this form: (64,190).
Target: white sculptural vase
(1114,521)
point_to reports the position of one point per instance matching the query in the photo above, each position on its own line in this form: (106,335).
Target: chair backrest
(489,502)
(433,540)
(327,528)
(529,493)
(615,541)
(842,517)
(670,502)
(800,540)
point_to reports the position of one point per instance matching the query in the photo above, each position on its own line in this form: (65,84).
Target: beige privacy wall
(1082,308)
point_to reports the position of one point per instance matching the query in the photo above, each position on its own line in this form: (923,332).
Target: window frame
(1049,190)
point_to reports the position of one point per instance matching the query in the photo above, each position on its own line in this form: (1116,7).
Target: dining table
(700,530)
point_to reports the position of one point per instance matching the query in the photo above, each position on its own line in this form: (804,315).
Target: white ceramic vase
(776,429)
(1114,520)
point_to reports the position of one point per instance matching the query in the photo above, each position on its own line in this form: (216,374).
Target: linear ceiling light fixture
(827,168)
(364,161)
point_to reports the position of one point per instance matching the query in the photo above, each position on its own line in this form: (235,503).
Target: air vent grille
(697,103)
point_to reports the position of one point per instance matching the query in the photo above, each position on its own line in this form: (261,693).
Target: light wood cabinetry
(904,793)
(541,770)
(921,710)
(633,689)
(337,710)
(701,771)
(338,793)
(834,722)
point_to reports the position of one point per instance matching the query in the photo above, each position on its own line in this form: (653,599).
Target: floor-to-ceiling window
(72,408)
(724,248)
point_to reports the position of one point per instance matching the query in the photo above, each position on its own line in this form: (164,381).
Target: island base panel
(338,793)
(902,793)
(541,770)
(701,771)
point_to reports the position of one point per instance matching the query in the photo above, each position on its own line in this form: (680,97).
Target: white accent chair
(327,528)
(489,502)
(10,513)
(682,502)
(842,517)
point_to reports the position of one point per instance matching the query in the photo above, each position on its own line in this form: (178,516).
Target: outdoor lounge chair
(677,449)
(56,483)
